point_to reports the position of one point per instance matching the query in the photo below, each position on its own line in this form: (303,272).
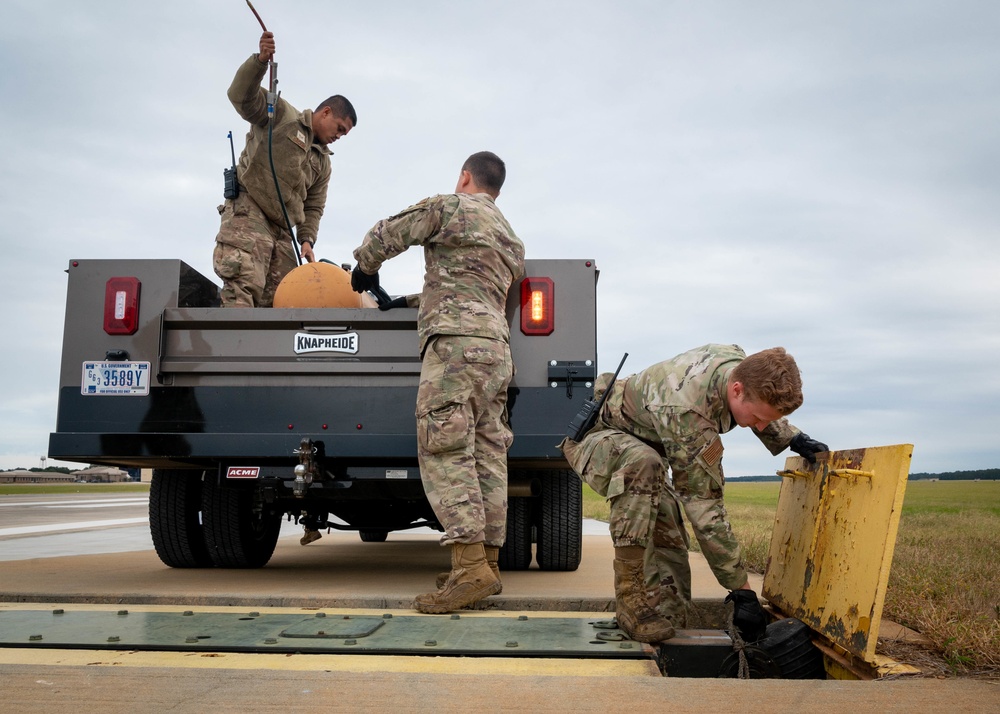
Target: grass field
(945,576)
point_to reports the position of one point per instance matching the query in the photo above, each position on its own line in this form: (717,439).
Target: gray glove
(807,447)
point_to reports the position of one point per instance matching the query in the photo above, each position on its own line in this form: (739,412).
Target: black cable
(277,187)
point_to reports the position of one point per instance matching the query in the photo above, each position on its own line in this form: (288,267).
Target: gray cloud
(817,176)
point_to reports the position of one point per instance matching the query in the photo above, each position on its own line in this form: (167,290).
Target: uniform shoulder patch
(712,454)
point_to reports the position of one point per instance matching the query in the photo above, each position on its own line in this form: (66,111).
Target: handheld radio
(587,416)
(232,188)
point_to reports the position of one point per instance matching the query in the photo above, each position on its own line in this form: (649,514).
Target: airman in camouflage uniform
(253,249)
(669,417)
(471,257)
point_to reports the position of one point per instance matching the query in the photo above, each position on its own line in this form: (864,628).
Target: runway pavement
(118,566)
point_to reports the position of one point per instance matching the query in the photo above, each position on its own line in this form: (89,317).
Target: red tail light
(538,313)
(121,306)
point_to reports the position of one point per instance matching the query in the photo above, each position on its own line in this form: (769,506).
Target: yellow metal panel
(834,534)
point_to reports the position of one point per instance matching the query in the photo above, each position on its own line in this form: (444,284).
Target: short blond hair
(771,376)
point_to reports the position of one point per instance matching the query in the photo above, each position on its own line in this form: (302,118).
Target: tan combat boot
(492,556)
(471,579)
(632,611)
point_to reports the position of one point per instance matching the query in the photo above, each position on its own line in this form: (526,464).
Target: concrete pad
(337,571)
(110,689)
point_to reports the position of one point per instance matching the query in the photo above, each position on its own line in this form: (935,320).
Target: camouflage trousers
(463,436)
(252,254)
(644,511)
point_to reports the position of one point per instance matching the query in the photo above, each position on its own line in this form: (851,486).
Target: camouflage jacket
(471,258)
(680,405)
(302,165)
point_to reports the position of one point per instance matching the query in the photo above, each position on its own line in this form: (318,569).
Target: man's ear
(464,181)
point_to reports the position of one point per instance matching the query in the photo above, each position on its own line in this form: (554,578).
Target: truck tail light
(121,306)
(538,315)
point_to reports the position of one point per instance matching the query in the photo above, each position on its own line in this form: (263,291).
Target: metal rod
(852,472)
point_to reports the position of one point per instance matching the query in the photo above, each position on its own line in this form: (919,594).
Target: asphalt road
(72,524)
(53,525)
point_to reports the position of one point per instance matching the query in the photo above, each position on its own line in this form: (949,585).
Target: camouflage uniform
(253,251)
(670,416)
(471,258)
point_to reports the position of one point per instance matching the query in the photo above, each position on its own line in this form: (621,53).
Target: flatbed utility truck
(253,414)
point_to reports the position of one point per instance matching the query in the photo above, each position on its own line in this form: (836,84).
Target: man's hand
(395,302)
(266,48)
(749,617)
(307,252)
(361,281)
(807,447)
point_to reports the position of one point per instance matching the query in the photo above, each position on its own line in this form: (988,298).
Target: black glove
(749,617)
(361,281)
(395,302)
(807,447)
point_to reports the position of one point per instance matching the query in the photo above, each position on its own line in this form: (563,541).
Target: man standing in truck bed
(671,415)
(472,257)
(253,249)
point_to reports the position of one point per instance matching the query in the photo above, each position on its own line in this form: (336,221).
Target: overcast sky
(821,176)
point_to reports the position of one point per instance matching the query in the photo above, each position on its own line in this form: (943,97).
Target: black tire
(373,536)
(240,532)
(560,521)
(789,643)
(175,518)
(516,551)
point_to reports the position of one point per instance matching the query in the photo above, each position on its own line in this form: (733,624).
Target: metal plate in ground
(461,635)
(344,627)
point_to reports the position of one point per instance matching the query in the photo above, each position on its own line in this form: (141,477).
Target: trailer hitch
(305,471)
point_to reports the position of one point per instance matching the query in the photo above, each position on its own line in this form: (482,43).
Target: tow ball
(305,470)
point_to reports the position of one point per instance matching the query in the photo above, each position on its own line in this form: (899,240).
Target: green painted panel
(464,634)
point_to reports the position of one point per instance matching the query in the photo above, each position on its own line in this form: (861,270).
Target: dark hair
(487,169)
(772,377)
(341,107)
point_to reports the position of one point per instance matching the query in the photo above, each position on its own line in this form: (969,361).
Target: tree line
(980,475)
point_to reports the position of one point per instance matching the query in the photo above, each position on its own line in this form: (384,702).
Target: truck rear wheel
(240,531)
(175,518)
(560,521)
(516,551)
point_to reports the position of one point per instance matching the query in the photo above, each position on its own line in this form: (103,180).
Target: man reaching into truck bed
(472,257)
(253,250)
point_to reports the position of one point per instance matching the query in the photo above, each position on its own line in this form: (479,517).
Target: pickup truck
(249,415)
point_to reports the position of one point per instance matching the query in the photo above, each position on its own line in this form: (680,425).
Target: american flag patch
(712,454)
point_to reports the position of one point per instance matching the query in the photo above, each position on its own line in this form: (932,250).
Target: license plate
(115,378)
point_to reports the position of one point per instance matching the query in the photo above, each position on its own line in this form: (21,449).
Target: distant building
(102,474)
(94,474)
(35,477)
